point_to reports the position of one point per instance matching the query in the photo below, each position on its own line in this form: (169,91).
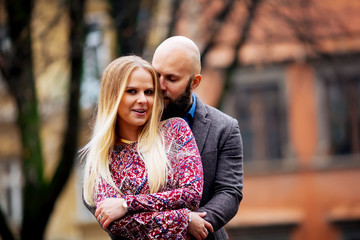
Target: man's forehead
(169,72)
(171,66)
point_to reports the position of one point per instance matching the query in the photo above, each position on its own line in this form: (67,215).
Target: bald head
(177,63)
(181,48)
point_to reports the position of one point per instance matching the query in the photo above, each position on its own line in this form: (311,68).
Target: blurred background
(288,70)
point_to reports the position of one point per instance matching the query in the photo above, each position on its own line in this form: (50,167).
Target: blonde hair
(150,141)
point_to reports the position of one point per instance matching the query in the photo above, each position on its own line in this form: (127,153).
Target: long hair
(150,142)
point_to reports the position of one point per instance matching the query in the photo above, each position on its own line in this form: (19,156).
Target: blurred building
(295,91)
(296,94)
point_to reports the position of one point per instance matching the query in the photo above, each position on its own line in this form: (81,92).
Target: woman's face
(137,101)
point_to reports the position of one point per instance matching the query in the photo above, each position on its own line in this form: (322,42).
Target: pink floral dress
(162,215)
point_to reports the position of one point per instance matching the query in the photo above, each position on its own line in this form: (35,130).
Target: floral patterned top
(162,215)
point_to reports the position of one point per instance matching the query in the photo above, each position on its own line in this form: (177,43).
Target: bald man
(177,62)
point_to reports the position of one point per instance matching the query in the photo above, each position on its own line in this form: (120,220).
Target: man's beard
(179,106)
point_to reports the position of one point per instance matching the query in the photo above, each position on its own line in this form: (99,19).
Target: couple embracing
(161,164)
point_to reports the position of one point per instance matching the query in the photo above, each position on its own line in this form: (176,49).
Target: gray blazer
(220,145)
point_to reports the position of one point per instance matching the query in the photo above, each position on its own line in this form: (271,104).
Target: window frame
(329,70)
(249,76)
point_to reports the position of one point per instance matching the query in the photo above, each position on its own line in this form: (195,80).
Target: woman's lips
(140,112)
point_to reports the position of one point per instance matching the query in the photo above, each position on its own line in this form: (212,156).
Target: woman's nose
(142,98)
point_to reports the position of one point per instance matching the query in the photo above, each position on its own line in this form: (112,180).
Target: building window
(257,101)
(10,190)
(342,97)
(338,90)
(260,116)
(349,229)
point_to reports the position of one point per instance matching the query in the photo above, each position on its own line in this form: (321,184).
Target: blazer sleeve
(228,183)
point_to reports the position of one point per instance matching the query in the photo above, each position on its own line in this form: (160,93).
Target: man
(177,62)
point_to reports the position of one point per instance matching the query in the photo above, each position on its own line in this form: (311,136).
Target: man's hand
(110,210)
(198,227)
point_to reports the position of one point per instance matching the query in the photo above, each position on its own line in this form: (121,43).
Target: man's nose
(162,84)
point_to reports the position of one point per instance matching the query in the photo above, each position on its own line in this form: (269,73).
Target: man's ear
(196,81)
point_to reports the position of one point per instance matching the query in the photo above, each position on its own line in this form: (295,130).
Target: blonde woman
(143,176)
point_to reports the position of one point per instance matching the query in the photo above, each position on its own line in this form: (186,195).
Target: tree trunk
(39,196)
(132,22)
(21,82)
(70,139)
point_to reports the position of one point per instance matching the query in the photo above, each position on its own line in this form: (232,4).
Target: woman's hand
(110,210)
(198,227)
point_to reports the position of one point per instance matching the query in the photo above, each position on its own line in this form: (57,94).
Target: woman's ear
(196,81)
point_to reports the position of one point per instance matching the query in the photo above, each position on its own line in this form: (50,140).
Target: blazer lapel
(201,125)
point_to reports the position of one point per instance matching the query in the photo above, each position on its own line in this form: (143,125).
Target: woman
(142,175)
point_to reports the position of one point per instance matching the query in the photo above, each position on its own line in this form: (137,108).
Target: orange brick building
(296,94)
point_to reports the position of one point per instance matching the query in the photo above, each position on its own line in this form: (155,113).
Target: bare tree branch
(253,5)
(302,25)
(216,27)
(175,5)
(125,15)
(44,34)
(245,31)
(70,139)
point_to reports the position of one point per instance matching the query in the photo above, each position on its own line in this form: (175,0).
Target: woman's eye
(149,92)
(130,91)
